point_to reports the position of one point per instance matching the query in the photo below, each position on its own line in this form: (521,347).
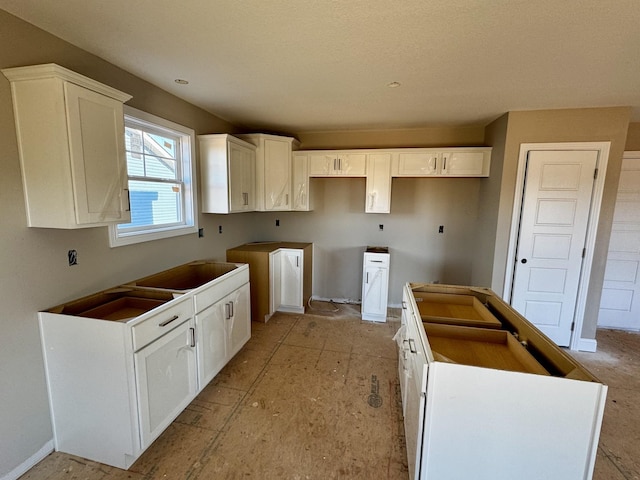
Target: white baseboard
(30,462)
(587,345)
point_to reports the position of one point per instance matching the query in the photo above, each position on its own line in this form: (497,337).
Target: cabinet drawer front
(376,260)
(160,323)
(210,293)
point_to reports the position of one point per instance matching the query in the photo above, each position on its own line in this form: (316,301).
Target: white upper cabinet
(337,163)
(378,183)
(227,169)
(300,185)
(273,170)
(451,162)
(70,133)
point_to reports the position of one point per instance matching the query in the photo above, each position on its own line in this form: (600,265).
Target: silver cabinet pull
(227,311)
(192,331)
(167,322)
(367,280)
(128,209)
(404,305)
(231,308)
(375,261)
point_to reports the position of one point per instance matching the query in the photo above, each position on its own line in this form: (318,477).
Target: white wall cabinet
(337,163)
(375,286)
(454,162)
(123,363)
(227,169)
(71,143)
(378,183)
(500,401)
(300,184)
(273,171)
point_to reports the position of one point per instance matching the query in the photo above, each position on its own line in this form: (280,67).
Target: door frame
(577,343)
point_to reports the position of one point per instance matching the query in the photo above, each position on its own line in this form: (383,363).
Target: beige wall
(33,265)
(572,125)
(633,138)
(410,137)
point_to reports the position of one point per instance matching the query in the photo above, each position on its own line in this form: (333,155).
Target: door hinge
(595,174)
(584,252)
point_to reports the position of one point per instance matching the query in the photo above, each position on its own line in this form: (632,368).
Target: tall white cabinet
(70,132)
(375,284)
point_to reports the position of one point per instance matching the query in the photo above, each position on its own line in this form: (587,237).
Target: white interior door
(551,240)
(620,301)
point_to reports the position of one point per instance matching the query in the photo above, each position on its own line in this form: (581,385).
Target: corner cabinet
(273,171)
(487,396)
(70,133)
(227,169)
(123,363)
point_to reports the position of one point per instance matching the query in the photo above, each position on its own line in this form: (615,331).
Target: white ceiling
(309,65)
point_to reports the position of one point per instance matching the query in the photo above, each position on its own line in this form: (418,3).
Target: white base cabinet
(469,414)
(286,272)
(375,286)
(123,363)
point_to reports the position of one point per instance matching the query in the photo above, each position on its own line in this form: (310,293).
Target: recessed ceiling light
(181,81)
(393,85)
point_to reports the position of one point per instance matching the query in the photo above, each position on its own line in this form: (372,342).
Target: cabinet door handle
(192,331)
(376,261)
(404,305)
(231,308)
(367,280)
(167,322)
(245,198)
(297,262)
(286,199)
(335,164)
(412,346)
(227,311)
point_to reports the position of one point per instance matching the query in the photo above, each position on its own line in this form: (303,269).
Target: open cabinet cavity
(493,401)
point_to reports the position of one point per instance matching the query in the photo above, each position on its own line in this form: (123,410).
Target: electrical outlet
(219,228)
(441,229)
(277,222)
(72,255)
(200,232)
(381,227)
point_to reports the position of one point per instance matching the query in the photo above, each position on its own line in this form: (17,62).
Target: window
(161,186)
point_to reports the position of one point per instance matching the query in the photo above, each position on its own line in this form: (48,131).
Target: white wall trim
(587,345)
(30,462)
(592,227)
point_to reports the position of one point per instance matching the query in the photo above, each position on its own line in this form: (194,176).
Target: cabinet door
(166,379)
(300,183)
(378,183)
(374,293)
(417,164)
(465,164)
(275,281)
(241,178)
(322,165)
(98,166)
(239,320)
(277,175)
(212,345)
(351,165)
(291,279)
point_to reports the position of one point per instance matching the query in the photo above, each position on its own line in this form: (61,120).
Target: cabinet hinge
(595,174)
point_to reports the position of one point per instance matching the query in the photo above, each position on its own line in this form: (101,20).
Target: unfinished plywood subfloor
(617,364)
(312,396)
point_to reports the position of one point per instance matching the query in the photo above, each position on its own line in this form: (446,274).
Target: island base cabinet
(469,414)
(166,380)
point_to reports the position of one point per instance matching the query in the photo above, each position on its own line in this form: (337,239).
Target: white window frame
(189,225)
